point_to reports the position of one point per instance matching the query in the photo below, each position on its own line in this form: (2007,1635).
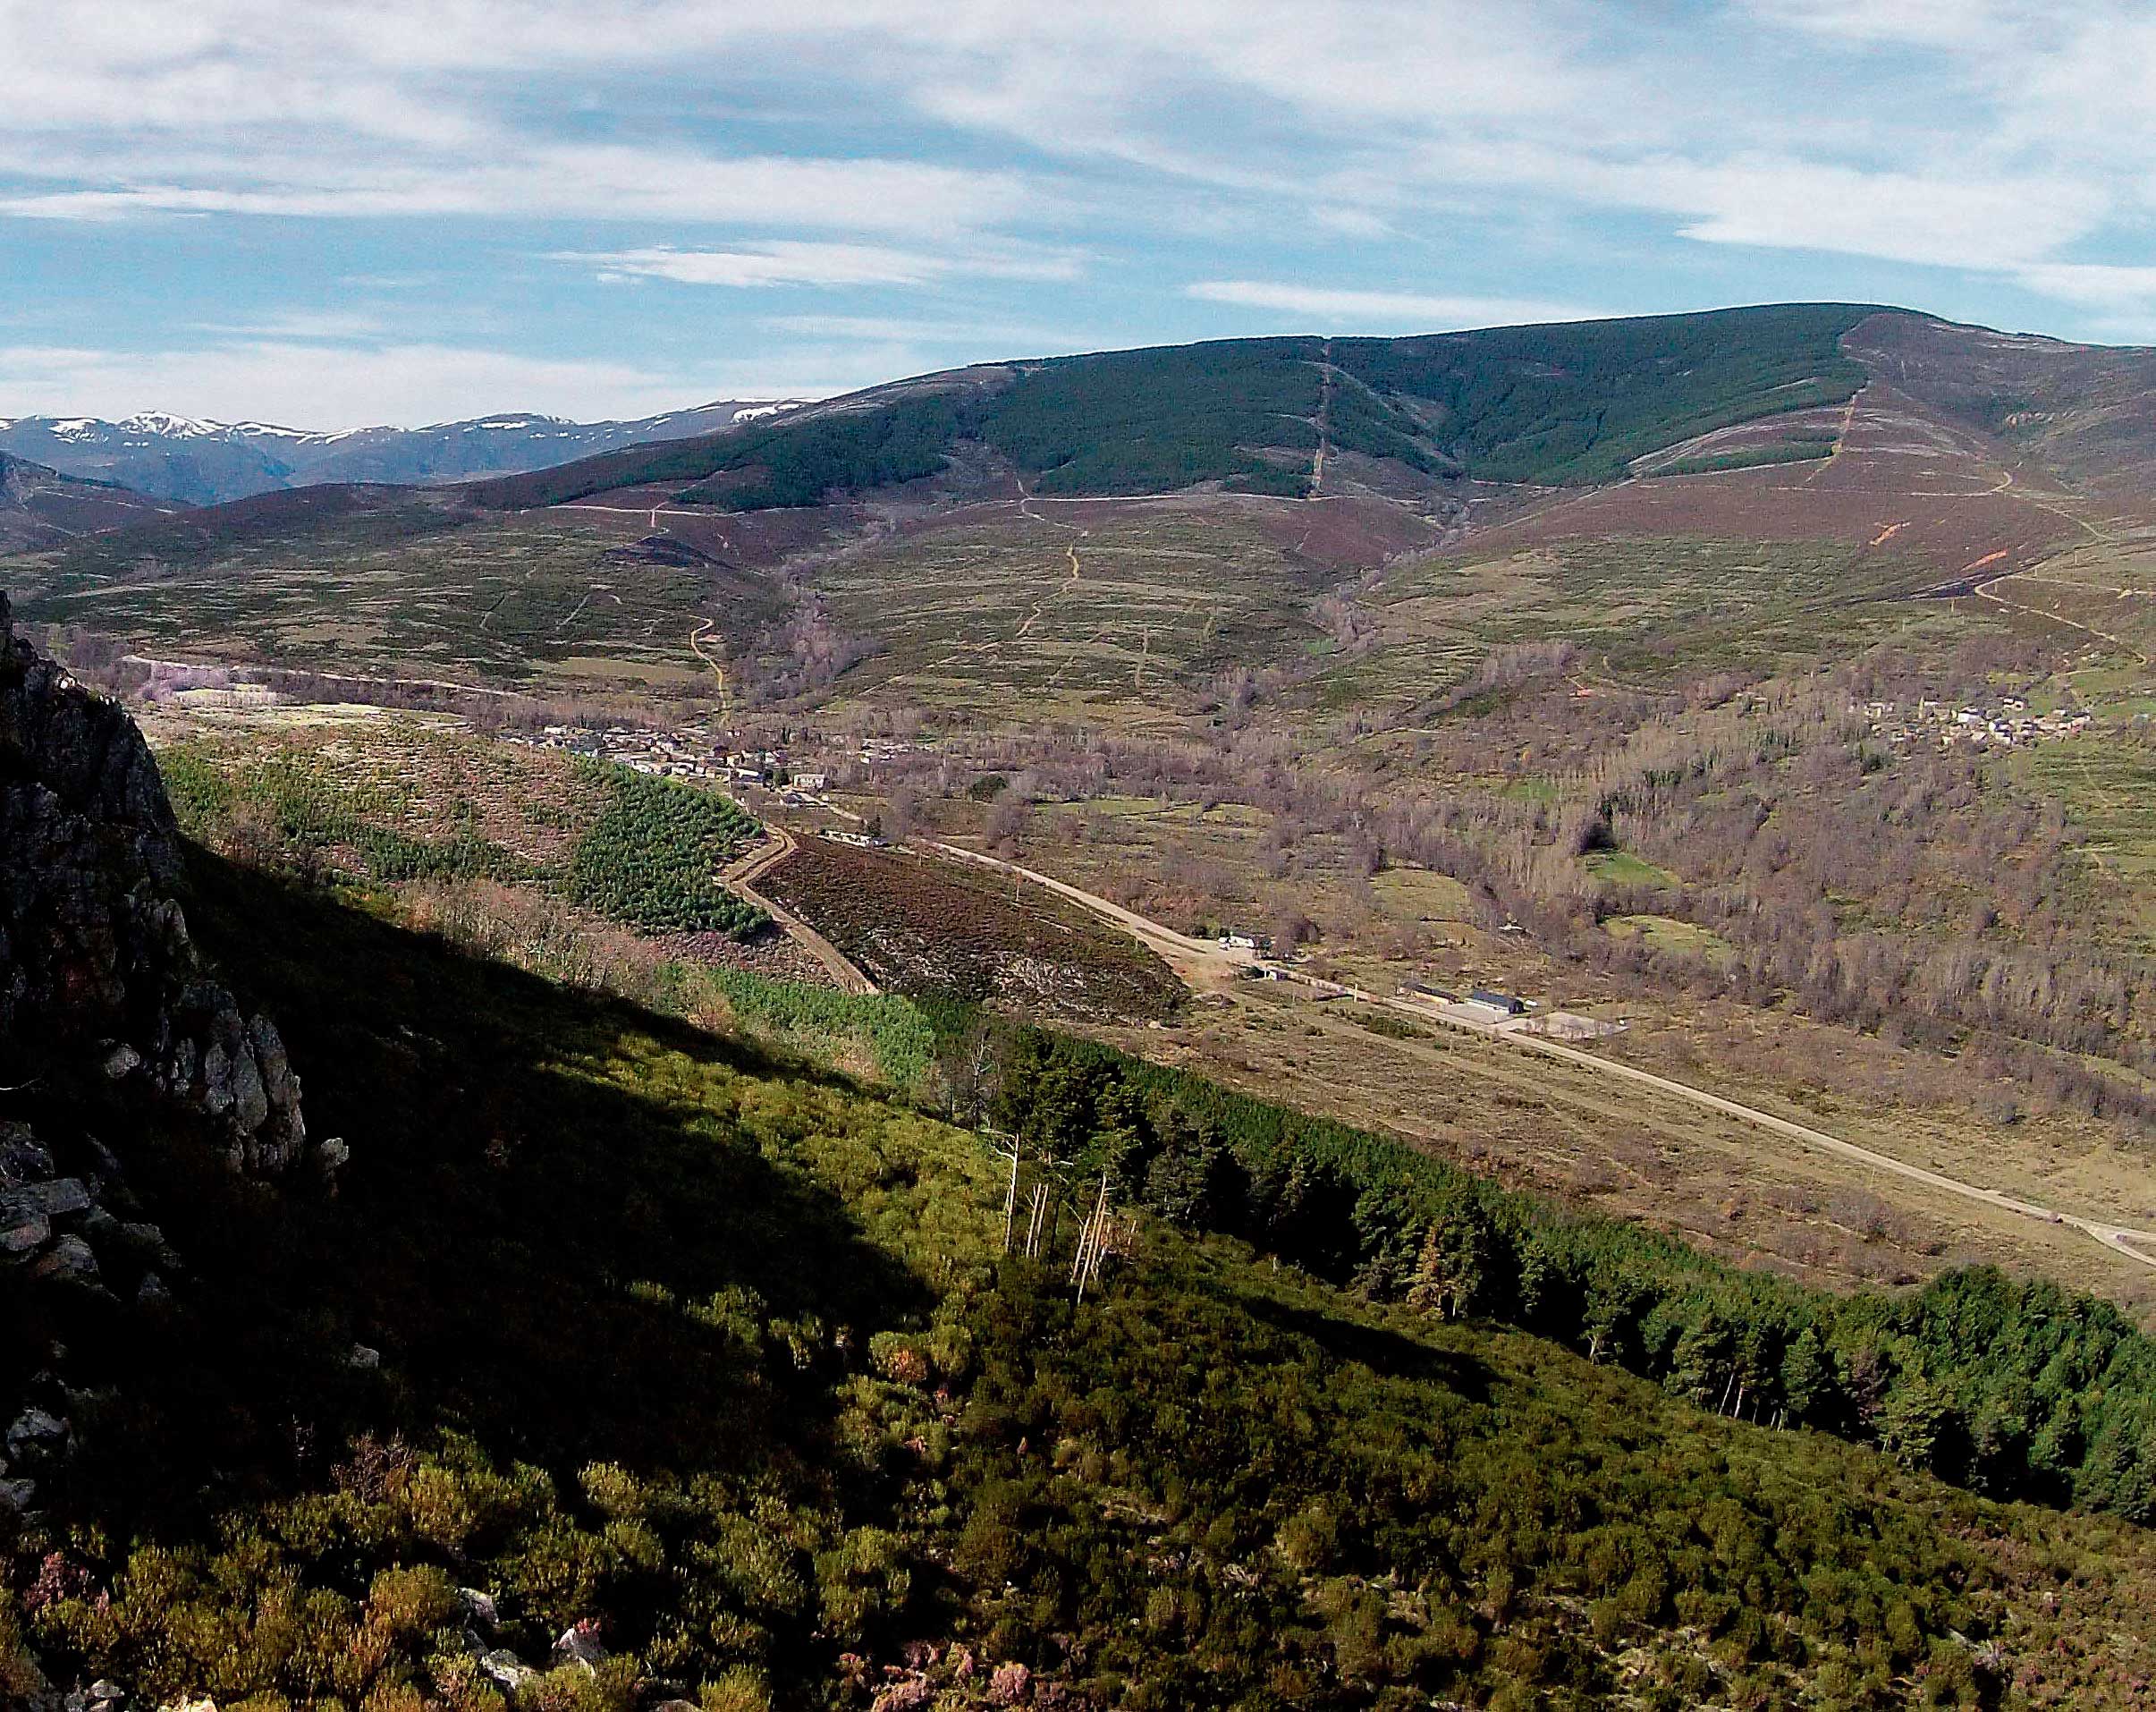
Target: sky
(327,215)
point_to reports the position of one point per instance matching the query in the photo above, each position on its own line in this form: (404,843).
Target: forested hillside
(710,1368)
(1569,403)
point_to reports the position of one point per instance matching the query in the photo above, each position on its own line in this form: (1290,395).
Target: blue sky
(327,215)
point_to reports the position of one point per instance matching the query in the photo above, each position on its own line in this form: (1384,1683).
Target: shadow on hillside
(1387,1353)
(497,1235)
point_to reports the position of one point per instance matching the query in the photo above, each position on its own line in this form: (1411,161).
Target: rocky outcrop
(97,974)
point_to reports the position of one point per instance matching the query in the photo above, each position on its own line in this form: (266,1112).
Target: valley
(1568,905)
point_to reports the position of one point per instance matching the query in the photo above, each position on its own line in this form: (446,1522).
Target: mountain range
(198,463)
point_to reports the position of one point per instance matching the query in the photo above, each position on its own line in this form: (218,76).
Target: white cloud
(1984,223)
(1410,309)
(591,182)
(794,262)
(775,264)
(986,339)
(2097,284)
(317,386)
(301,324)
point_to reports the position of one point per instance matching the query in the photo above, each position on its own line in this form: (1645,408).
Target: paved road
(1186,953)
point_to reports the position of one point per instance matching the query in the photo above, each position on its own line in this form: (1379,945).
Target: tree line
(2016,1389)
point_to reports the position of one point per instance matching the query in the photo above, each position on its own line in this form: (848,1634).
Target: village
(695,752)
(2007,724)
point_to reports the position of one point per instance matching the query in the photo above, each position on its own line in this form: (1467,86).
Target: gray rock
(479,1607)
(216,1079)
(18,1494)
(506,1669)
(35,1429)
(68,1260)
(153,1292)
(97,972)
(23,1232)
(581,1642)
(22,1159)
(361,1356)
(55,1199)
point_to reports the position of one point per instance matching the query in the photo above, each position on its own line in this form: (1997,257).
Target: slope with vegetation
(632,1360)
(1570,403)
(712,1365)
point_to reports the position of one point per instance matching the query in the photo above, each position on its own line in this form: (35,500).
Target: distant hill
(1892,453)
(1568,404)
(40,507)
(199,462)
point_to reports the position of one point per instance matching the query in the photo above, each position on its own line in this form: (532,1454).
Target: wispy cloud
(609,183)
(1415,311)
(988,168)
(794,262)
(317,386)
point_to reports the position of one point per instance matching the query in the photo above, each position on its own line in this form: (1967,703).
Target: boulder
(55,1198)
(68,1260)
(580,1641)
(23,1230)
(35,1429)
(507,1669)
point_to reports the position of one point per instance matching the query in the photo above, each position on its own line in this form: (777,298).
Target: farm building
(1497,1000)
(1234,940)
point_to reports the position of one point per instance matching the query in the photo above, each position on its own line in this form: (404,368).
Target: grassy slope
(713,1352)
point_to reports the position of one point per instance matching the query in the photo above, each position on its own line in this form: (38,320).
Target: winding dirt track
(742,877)
(1183,953)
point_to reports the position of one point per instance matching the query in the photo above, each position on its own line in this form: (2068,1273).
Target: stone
(55,1199)
(22,1159)
(35,1428)
(23,1232)
(361,1356)
(97,972)
(68,1260)
(479,1607)
(507,1669)
(580,1641)
(18,1494)
(153,1292)
(217,1080)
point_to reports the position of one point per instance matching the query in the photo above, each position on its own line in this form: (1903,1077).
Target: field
(1063,608)
(576,599)
(1635,608)
(2107,788)
(933,928)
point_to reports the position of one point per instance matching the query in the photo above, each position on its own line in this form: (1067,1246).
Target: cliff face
(97,974)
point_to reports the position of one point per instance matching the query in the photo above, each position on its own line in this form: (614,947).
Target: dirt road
(742,877)
(1204,962)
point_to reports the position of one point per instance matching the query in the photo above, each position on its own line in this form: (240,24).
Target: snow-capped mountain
(199,462)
